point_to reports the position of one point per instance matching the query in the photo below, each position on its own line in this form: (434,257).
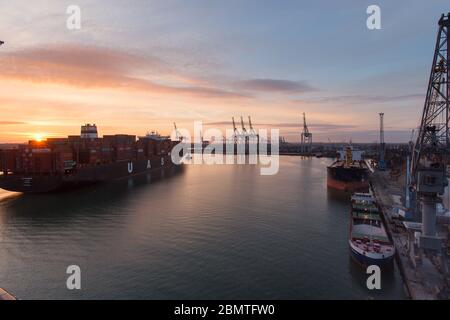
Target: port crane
(252,132)
(306,138)
(235,130)
(431,149)
(244,135)
(381,160)
(178,135)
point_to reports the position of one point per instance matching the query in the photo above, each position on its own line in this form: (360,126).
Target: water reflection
(73,202)
(211,232)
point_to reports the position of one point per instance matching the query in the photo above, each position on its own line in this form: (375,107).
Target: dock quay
(425,277)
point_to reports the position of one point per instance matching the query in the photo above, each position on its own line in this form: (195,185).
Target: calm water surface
(209,232)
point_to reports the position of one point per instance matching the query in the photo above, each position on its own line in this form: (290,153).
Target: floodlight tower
(382,151)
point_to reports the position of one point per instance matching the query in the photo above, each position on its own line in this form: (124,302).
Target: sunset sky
(137,66)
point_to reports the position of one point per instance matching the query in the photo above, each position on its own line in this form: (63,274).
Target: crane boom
(244,131)
(431,149)
(177,133)
(305,127)
(433,133)
(234,126)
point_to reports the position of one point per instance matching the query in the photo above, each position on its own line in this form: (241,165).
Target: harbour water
(207,232)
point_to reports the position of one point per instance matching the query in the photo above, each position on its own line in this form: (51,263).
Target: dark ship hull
(348,178)
(38,183)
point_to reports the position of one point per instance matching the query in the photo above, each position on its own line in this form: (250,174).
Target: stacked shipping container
(63,155)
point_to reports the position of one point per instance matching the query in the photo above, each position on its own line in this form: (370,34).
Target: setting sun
(39,137)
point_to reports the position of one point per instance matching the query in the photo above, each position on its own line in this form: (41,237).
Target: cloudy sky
(138,65)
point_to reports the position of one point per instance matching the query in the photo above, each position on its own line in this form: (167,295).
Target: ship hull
(32,183)
(368,241)
(369,259)
(348,179)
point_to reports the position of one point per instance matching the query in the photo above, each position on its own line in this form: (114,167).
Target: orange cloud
(94,67)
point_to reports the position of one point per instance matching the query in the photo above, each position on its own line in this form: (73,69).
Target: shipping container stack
(63,155)
(123,146)
(7,161)
(106,151)
(148,145)
(87,151)
(141,149)
(38,157)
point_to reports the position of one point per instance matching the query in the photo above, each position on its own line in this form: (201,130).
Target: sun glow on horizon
(39,137)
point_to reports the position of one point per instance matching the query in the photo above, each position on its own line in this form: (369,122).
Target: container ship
(57,163)
(368,240)
(349,172)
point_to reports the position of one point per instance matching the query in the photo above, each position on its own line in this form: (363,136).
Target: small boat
(368,240)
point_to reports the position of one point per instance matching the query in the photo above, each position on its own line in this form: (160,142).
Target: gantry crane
(431,149)
(235,131)
(306,138)
(252,131)
(244,131)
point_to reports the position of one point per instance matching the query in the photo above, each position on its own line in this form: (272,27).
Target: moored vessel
(368,240)
(349,172)
(56,163)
